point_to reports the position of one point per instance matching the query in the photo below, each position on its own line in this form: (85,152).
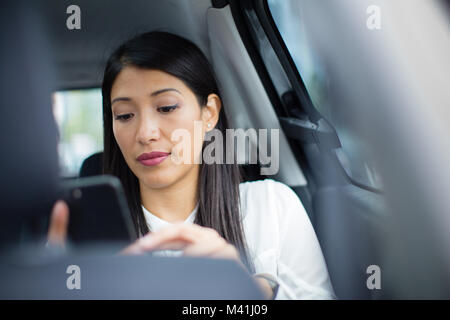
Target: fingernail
(59,206)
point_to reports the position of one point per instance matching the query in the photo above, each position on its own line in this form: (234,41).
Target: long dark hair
(219,204)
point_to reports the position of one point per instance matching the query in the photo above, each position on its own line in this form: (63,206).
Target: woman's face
(147,106)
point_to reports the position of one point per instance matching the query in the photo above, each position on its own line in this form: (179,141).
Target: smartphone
(98,211)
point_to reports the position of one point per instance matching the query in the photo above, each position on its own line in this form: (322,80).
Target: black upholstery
(92,165)
(28,136)
(348,221)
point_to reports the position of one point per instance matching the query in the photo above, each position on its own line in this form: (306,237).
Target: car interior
(258,93)
(262,88)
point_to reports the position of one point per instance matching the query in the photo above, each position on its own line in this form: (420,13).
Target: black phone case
(98,210)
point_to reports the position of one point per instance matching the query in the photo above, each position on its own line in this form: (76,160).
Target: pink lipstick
(153,158)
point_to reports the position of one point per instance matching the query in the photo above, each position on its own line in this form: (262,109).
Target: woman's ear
(210,112)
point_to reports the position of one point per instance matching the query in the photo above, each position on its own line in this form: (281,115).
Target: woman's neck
(175,202)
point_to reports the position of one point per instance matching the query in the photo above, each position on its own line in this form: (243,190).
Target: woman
(155,84)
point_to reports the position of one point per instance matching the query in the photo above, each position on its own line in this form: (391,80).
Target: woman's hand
(192,239)
(264,286)
(59,220)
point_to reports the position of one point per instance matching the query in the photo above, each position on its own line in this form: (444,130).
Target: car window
(353,154)
(78,114)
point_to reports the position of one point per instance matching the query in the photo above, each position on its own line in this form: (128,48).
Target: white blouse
(280,238)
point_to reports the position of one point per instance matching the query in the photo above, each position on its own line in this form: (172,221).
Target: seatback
(92,165)
(348,223)
(29,162)
(33,274)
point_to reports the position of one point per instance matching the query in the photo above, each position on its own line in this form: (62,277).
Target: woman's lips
(153,158)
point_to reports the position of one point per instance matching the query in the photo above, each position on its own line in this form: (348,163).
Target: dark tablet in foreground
(96,276)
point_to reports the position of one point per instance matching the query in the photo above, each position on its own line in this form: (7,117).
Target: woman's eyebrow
(155,93)
(120,99)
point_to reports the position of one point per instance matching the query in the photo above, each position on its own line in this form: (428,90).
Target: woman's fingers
(173,234)
(138,248)
(175,237)
(227,252)
(171,245)
(209,248)
(59,220)
(188,248)
(192,239)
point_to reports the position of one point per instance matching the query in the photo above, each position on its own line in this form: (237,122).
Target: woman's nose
(148,131)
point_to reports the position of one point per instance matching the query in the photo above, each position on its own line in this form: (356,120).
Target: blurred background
(78,115)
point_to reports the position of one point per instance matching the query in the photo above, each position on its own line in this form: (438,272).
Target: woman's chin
(158,179)
(163,176)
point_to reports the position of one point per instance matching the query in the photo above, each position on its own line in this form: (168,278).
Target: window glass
(287,15)
(78,114)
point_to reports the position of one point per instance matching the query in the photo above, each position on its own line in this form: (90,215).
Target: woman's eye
(167,109)
(124,117)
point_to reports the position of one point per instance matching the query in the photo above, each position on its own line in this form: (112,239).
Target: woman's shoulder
(268,196)
(265,188)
